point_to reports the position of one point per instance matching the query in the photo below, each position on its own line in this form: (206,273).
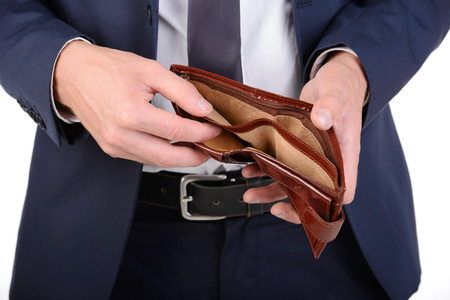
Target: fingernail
(324,118)
(219,131)
(204,105)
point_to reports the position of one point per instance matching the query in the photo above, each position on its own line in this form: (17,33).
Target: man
(80,201)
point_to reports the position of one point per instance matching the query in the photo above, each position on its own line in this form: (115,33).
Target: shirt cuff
(321,60)
(65,116)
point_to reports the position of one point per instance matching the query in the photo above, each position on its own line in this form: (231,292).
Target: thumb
(326,111)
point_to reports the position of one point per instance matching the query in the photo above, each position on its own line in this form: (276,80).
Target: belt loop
(253,182)
(255,210)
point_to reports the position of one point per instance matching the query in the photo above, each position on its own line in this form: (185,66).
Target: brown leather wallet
(277,133)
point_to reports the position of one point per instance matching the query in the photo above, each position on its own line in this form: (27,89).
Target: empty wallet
(276,133)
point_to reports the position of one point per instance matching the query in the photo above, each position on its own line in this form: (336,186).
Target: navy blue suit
(80,201)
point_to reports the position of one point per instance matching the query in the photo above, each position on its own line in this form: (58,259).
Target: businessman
(85,71)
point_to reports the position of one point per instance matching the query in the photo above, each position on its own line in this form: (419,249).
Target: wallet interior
(233,114)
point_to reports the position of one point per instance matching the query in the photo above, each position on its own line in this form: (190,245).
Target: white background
(421,111)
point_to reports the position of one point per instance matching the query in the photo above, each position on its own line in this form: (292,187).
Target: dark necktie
(214,42)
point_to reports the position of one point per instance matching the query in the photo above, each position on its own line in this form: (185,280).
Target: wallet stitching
(253,91)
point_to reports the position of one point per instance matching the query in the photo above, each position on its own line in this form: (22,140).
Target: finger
(286,212)
(264,194)
(149,149)
(181,92)
(350,156)
(348,135)
(252,170)
(172,127)
(327,106)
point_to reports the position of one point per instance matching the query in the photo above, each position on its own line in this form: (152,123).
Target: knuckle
(178,133)
(189,88)
(112,143)
(154,64)
(165,162)
(109,136)
(125,116)
(185,88)
(110,150)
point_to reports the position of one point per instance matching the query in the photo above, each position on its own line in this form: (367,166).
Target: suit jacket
(80,201)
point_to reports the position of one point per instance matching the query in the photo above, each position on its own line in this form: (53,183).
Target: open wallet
(276,133)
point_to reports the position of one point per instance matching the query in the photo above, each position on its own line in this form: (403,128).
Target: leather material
(276,132)
(221,198)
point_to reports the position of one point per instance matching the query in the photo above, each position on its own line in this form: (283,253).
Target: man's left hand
(338,92)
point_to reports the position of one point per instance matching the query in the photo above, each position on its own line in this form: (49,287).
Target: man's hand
(110,90)
(337,92)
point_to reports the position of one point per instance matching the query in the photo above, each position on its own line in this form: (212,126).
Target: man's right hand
(110,90)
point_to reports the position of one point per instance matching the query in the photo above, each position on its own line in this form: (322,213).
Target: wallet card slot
(288,149)
(296,145)
(229,111)
(264,101)
(272,139)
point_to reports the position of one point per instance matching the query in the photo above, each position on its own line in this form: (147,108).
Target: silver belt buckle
(185,198)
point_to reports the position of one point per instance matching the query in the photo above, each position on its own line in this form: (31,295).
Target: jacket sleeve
(392,38)
(30,40)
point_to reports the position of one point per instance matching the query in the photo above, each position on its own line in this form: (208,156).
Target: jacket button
(22,106)
(36,118)
(32,114)
(149,14)
(40,122)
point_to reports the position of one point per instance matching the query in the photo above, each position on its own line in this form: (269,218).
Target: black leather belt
(202,197)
